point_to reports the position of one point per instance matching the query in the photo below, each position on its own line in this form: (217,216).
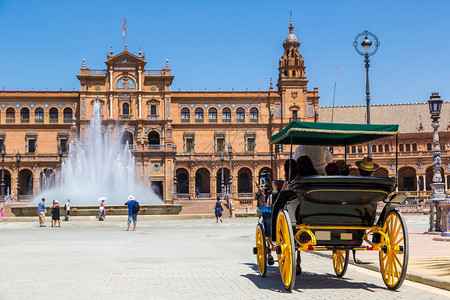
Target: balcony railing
(53,121)
(199,120)
(155,147)
(226,120)
(125,117)
(182,196)
(212,120)
(98,71)
(153,72)
(185,120)
(10,120)
(254,120)
(24,120)
(67,120)
(245,195)
(153,117)
(240,120)
(39,121)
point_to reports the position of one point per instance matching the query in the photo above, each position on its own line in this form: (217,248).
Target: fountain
(101,166)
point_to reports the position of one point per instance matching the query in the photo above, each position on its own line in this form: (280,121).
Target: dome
(291,38)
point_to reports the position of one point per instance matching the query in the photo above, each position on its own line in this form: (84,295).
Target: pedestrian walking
(218,210)
(67,208)
(41,212)
(133,209)
(56,214)
(101,209)
(197,193)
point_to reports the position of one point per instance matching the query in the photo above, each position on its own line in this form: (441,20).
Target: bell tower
(297,103)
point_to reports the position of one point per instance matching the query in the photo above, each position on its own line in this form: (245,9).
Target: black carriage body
(336,201)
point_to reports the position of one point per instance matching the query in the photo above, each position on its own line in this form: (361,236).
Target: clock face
(153,87)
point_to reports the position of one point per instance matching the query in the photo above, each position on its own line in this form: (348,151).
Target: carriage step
(255,250)
(278,249)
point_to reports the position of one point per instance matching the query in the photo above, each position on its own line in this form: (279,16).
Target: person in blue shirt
(41,212)
(131,215)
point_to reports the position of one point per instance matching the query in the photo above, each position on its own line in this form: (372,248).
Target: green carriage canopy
(332,134)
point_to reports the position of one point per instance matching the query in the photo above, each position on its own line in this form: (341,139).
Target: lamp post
(60,154)
(18,177)
(222,185)
(437,187)
(418,188)
(366,45)
(174,151)
(230,152)
(2,153)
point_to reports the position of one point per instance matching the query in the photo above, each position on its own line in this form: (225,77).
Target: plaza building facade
(195,144)
(182,141)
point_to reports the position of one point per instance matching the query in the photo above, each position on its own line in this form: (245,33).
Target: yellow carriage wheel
(261,250)
(286,249)
(394,254)
(340,262)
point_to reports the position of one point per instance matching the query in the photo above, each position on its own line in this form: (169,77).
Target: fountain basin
(93,210)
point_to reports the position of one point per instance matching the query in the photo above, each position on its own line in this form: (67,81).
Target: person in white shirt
(319,155)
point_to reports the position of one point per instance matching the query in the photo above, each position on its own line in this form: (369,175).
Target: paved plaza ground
(168,259)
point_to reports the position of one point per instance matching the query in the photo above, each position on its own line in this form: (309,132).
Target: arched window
(353,149)
(125,108)
(401,148)
(212,115)
(153,138)
(374,148)
(414,147)
(408,147)
(25,115)
(254,115)
(199,114)
(240,115)
(380,148)
(39,115)
(386,148)
(53,115)
(67,115)
(127,137)
(185,114)
(226,115)
(10,115)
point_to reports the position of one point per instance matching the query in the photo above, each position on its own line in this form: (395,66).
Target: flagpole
(124,33)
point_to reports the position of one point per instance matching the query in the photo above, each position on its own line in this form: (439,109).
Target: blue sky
(233,44)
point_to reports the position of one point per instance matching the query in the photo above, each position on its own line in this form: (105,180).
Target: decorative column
(111,80)
(110,107)
(437,187)
(139,82)
(140,107)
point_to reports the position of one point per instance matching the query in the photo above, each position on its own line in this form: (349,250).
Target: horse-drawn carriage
(337,213)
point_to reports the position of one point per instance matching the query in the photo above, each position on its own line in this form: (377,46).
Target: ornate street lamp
(367,51)
(2,153)
(222,185)
(230,153)
(18,177)
(437,187)
(174,151)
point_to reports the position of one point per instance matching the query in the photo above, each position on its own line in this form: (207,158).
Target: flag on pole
(124,27)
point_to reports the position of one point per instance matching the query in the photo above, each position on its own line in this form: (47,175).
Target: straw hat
(341,165)
(367,164)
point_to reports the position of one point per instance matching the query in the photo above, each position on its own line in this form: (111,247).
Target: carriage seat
(357,190)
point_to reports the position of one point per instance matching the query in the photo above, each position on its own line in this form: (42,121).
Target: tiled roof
(410,117)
